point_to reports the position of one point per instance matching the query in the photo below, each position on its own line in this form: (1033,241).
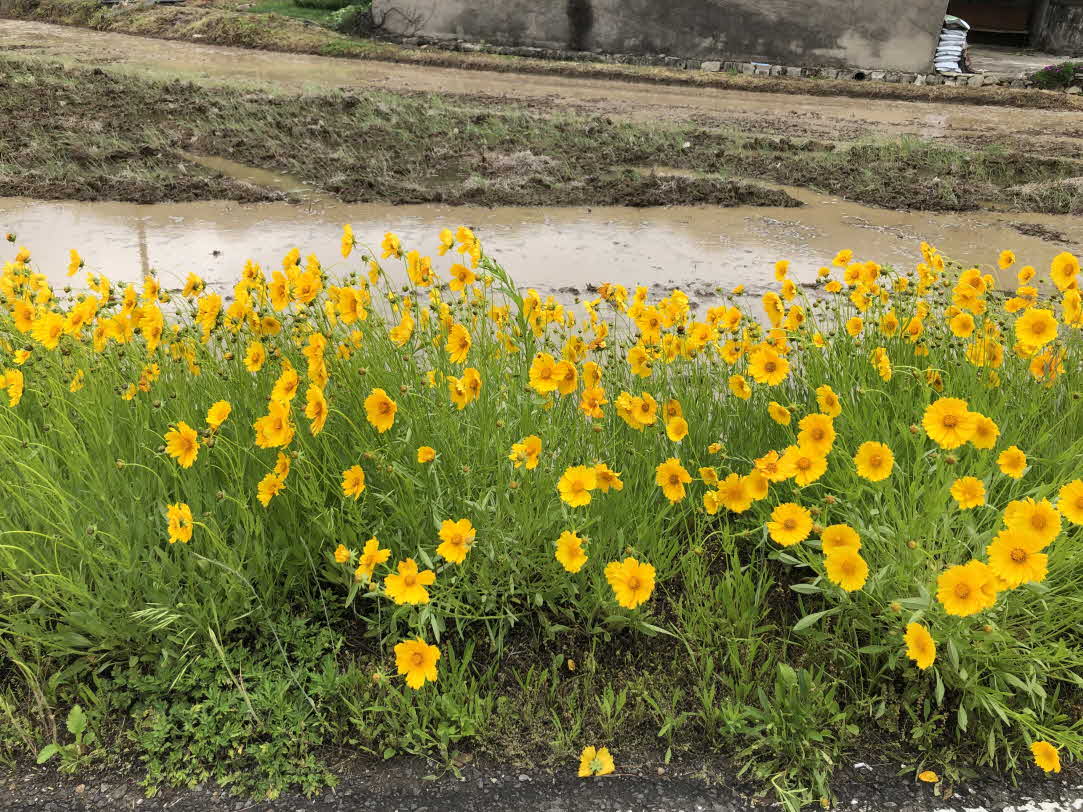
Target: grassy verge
(98,135)
(274,32)
(210,515)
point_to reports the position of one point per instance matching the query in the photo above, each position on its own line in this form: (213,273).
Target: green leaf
(76,721)
(47,752)
(808,620)
(962,718)
(806,589)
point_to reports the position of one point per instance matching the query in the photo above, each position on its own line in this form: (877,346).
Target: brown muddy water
(556,250)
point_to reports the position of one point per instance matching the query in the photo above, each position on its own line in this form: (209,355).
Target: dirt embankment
(89,134)
(224,26)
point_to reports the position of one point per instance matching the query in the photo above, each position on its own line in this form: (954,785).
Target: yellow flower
(969,492)
(790,524)
(768,367)
(606,478)
(1040,519)
(218,413)
(408,584)
(803,463)
(817,433)
(1064,270)
(180,522)
(347,240)
(1012,462)
(739,386)
(921,648)
(14,382)
(576,484)
(965,589)
(457,537)
(734,494)
(874,461)
(426,454)
(543,374)
(1070,501)
(671,477)
(986,432)
(961,325)
(837,537)
(1036,327)
(779,413)
(928,776)
(342,554)
(1046,756)
(269,487)
(1005,260)
(632,582)
(182,444)
(949,422)
(847,569)
(595,762)
(828,401)
(526,452)
(570,551)
(854,326)
(416,659)
(380,410)
(254,357)
(353,482)
(676,429)
(1015,558)
(371,557)
(458,344)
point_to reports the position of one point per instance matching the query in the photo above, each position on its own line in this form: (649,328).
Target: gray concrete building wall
(894,34)
(1059,27)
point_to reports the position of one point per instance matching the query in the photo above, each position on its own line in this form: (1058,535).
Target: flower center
(417,658)
(634,583)
(875,461)
(1038,521)
(789,524)
(770,366)
(950,421)
(1019,555)
(409,580)
(962,591)
(674,479)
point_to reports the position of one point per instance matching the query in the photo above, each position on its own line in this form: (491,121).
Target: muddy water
(550,249)
(299,72)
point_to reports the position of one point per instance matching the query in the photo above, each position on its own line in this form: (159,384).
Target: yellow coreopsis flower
(426,454)
(1070,501)
(380,410)
(790,524)
(569,551)
(1016,559)
(966,589)
(457,537)
(576,484)
(632,582)
(182,443)
(218,414)
(921,648)
(949,422)
(179,517)
(416,660)
(969,492)
(1012,462)
(671,477)
(371,557)
(847,569)
(408,584)
(837,537)
(828,401)
(874,461)
(1046,756)
(595,762)
(1038,518)
(353,482)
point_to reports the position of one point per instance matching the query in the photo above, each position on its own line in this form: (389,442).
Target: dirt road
(1049,132)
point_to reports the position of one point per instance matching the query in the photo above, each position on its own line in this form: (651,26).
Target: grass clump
(400,504)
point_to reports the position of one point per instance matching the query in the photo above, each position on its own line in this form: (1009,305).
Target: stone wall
(893,34)
(1059,29)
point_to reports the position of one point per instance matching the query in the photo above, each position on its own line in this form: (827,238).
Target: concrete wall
(896,34)
(1059,28)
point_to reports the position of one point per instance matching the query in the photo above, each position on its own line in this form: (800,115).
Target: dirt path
(1040,131)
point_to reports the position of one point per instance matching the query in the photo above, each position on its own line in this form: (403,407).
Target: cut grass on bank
(103,135)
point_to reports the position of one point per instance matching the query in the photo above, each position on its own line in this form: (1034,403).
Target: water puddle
(255,176)
(557,250)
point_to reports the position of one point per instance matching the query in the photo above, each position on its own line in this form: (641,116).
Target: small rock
(714,67)
(747,68)
(877,75)
(977,80)
(1074,91)
(524,777)
(792,72)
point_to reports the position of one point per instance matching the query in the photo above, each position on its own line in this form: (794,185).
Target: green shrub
(1053,77)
